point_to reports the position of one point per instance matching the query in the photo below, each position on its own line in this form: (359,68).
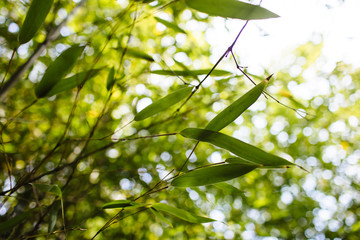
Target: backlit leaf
(71,82)
(239,148)
(34,19)
(211,175)
(161,217)
(163,103)
(54,189)
(180,213)
(192,73)
(123,204)
(229,114)
(170,25)
(139,54)
(230,9)
(57,70)
(110,80)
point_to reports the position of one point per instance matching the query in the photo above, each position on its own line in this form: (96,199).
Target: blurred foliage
(284,204)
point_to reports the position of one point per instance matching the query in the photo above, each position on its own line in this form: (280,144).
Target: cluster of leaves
(79,139)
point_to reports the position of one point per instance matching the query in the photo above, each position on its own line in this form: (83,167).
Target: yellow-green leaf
(170,25)
(230,9)
(71,82)
(123,204)
(54,189)
(163,103)
(161,217)
(239,148)
(57,70)
(110,80)
(35,17)
(211,175)
(229,114)
(180,213)
(191,73)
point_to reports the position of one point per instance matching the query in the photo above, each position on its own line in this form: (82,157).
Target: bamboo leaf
(139,54)
(170,25)
(238,160)
(182,214)
(123,204)
(35,17)
(230,9)
(57,70)
(239,148)
(54,189)
(163,103)
(229,114)
(211,175)
(53,215)
(71,82)
(227,188)
(110,80)
(161,217)
(191,73)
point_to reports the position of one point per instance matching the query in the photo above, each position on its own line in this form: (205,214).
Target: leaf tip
(268,78)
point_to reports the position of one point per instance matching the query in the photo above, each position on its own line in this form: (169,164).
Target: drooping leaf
(170,25)
(180,213)
(35,17)
(53,215)
(54,189)
(192,73)
(110,80)
(211,175)
(239,148)
(229,114)
(123,204)
(71,82)
(10,223)
(57,70)
(132,52)
(161,217)
(228,188)
(230,9)
(163,103)
(238,160)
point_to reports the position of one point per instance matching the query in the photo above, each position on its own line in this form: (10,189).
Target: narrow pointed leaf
(110,80)
(191,73)
(139,54)
(71,82)
(53,215)
(180,213)
(237,160)
(230,9)
(170,25)
(123,204)
(163,103)
(161,217)
(229,114)
(211,175)
(239,148)
(57,70)
(228,188)
(54,189)
(35,17)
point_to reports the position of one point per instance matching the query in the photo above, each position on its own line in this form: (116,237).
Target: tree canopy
(115,124)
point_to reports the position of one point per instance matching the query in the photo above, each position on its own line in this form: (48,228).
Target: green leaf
(54,189)
(161,217)
(229,114)
(110,80)
(180,213)
(53,215)
(139,54)
(210,175)
(71,82)
(7,225)
(35,17)
(230,9)
(237,160)
(170,25)
(163,103)
(123,204)
(57,70)
(192,73)
(239,148)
